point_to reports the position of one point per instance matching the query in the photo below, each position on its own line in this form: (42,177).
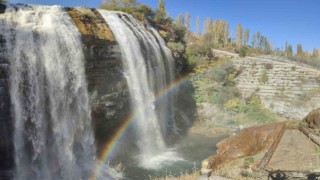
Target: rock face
(106,82)
(2,8)
(287,88)
(6,123)
(248,142)
(313,119)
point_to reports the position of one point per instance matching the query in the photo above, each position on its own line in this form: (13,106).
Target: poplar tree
(179,20)
(289,51)
(162,6)
(187,20)
(198,25)
(111,5)
(239,35)
(208,24)
(315,53)
(129,3)
(246,36)
(299,50)
(226,34)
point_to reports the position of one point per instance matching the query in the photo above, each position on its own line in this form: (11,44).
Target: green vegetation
(3,1)
(264,77)
(217,87)
(239,36)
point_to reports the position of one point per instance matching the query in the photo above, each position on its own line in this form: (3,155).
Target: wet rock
(2,8)
(106,82)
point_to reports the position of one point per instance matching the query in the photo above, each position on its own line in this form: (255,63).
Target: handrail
(265,160)
(310,134)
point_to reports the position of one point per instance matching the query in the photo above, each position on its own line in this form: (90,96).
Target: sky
(295,21)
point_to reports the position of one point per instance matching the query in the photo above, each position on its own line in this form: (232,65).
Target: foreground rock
(313,119)
(250,141)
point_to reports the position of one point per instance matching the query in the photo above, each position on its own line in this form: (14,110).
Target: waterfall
(148,67)
(53,137)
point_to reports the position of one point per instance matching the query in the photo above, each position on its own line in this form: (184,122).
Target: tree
(179,20)
(289,51)
(239,35)
(129,3)
(162,6)
(198,25)
(315,53)
(187,20)
(226,34)
(111,5)
(254,40)
(208,24)
(299,50)
(246,36)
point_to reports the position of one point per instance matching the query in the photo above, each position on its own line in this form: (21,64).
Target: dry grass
(236,170)
(184,176)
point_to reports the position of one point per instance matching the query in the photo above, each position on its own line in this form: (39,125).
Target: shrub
(232,104)
(248,161)
(224,94)
(264,77)
(242,51)
(254,100)
(176,47)
(195,61)
(253,65)
(268,66)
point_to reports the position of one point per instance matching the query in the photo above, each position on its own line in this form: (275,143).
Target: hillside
(285,87)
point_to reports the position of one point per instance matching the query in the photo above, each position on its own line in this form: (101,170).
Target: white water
(53,137)
(147,62)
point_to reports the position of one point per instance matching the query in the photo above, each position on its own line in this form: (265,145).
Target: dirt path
(295,152)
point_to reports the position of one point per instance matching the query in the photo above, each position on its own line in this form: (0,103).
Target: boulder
(250,141)
(313,119)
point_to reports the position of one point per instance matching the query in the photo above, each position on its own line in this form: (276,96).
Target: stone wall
(289,89)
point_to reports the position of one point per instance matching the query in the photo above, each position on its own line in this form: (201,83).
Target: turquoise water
(193,149)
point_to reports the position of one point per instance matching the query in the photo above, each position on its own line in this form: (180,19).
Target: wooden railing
(310,134)
(265,160)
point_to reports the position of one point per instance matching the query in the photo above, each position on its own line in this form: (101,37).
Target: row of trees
(216,33)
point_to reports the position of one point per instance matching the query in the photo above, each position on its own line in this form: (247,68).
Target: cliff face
(106,83)
(6,123)
(285,87)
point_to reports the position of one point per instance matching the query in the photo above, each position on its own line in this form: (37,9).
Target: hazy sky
(297,21)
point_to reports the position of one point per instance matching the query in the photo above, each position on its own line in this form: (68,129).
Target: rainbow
(110,146)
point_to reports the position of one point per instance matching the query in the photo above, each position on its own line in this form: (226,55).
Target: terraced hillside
(287,88)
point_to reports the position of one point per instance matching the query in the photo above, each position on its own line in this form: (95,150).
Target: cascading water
(147,62)
(53,137)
